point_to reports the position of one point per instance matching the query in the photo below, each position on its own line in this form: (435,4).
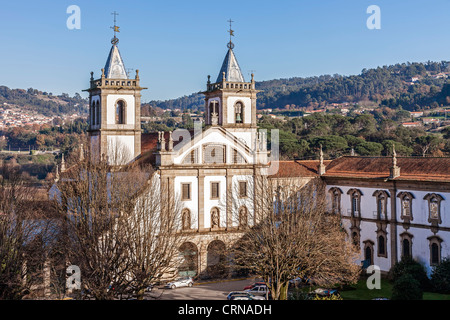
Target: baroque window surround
(406,212)
(381,198)
(434,208)
(335,194)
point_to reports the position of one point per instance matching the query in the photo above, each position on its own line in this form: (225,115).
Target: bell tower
(115,110)
(230,101)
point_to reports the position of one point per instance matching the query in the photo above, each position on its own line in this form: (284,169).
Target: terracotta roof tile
(411,168)
(298,168)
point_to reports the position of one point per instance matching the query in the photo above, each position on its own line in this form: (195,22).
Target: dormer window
(239,112)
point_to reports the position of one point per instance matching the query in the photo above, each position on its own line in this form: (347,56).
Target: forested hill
(42,102)
(411,86)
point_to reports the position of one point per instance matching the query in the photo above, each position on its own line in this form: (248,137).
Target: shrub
(407,288)
(440,277)
(409,266)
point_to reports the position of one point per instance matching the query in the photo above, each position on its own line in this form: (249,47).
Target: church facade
(388,209)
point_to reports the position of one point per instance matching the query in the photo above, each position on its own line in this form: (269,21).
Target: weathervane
(115,40)
(230,44)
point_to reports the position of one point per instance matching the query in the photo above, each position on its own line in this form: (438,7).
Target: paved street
(201,291)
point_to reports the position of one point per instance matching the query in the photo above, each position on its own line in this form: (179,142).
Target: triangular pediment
(213,135)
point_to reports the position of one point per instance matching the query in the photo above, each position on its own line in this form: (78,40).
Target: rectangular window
(214,190)
(242,189)
(185,191)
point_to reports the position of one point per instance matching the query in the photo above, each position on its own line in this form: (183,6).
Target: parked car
(243,295)
(261,283)
(180,282)
(260,290)
(322,292)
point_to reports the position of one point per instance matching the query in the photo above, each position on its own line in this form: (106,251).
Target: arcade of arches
(206,256)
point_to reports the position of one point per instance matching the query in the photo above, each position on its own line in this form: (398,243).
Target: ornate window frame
(406,236)
(335,194)
(369,244)
(381,201)
(355,202)
(434,208)
(435,241)
(406,198)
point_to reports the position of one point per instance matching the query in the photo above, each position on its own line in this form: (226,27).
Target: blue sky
(175,44)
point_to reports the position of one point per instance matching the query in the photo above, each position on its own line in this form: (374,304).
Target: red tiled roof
(298,168)
(411,168)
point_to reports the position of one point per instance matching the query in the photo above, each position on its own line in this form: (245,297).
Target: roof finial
(394,156)
(394,170)
(230,44)
(321,165)
(63,163)
(115,40)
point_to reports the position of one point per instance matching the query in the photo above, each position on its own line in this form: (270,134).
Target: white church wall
(238,202)
(120,149)
(211,203)
(419,226)
(192,204)
(247,109)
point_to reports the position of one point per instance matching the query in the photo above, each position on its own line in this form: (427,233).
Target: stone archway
(189,264)
(216,259)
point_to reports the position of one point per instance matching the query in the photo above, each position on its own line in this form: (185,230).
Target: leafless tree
(121,226)
(294,236)
(26,234)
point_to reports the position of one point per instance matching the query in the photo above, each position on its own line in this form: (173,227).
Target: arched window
(120,112)
(368,253)
(381,245)
(406,242)
(355,196)
(97,112)
(239,112)
(435,250)
(406,248)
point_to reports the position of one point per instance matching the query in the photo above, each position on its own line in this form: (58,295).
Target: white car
(180,282)
(243,295)
(258,290)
